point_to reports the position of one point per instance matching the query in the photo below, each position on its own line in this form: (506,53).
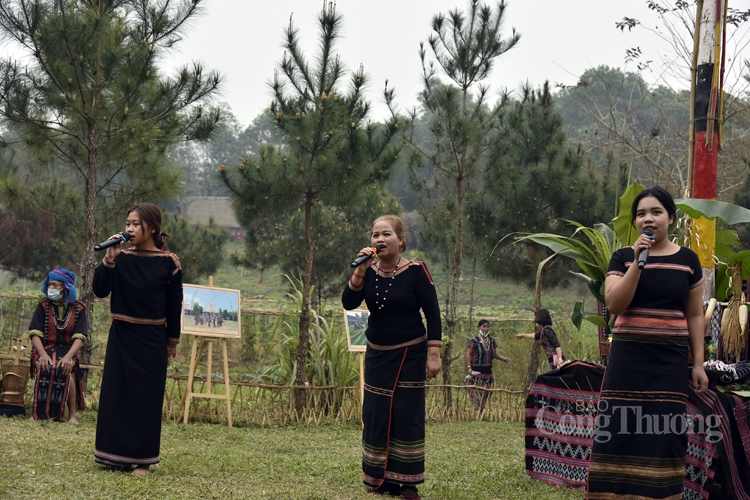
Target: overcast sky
(560,39)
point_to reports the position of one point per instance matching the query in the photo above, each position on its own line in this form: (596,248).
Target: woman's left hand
(699,381)
(503,358)
(66,365)
(434,364)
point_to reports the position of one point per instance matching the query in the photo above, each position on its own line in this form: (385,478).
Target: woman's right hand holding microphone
(359,271)
(114,251)
(643,242)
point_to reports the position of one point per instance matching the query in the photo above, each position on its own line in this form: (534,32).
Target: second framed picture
(356,324)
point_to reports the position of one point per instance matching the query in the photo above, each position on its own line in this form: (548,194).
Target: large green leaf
(726,241)
(597,320)
(722,283)
(724,272)
(626,231)
(585,277)
(577,317)
(744,256)
(730,214)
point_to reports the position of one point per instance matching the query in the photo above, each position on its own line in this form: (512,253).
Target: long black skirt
(128,427)
(640,444)
(393,413)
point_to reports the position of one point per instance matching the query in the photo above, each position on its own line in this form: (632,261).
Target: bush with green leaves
(329,361)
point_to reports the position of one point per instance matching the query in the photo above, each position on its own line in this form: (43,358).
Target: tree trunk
(88,262)
(451,317)
(471,291)
(533,253)
(304,316)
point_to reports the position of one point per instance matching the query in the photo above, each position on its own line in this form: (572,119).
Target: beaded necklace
(377,290)
(485,340)
(66,319)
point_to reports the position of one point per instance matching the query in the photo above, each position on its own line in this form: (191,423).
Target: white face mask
(54,294)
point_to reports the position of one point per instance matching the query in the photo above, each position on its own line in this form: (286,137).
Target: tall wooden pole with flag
(708,103)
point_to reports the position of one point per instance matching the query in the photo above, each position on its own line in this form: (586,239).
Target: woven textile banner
(561,411)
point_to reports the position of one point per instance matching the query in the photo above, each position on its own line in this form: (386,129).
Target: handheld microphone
(644,253)
(364,258)
(123,238)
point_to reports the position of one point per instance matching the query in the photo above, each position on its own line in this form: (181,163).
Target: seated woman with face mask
(58,330)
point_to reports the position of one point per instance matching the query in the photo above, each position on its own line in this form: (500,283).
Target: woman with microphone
(400,355)
(145,283)
(640,445)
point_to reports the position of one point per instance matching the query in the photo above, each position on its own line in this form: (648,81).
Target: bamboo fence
(254,403)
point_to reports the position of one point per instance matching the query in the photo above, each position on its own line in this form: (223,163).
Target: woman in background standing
(548,338)
(480,352)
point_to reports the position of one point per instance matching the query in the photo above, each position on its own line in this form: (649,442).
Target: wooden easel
(195,357)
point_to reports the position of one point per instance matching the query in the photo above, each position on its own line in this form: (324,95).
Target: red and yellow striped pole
(708,97)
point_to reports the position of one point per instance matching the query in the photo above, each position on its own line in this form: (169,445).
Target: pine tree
(92,101)
(463,130)
(537,183)
(330,153)
(338,232)
(200,246)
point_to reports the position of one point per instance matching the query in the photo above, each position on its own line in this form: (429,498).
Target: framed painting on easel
(356,324)
(211,312)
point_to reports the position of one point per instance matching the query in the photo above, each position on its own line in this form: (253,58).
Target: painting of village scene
(356,324)
(210,311)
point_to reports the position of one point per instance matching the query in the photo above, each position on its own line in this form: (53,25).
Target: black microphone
(364,258)
(123,238)
(644,253)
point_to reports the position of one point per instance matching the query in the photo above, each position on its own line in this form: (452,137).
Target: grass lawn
(477,461)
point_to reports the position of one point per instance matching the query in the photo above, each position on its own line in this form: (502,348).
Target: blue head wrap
(67,278)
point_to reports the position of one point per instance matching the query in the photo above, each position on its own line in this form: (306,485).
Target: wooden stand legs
(195,356)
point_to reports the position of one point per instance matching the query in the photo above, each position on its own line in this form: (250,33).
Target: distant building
(202,208)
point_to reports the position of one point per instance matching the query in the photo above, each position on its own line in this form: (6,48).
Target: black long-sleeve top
(394,301)
(146,288)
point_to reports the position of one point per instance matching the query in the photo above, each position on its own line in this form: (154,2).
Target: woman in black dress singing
(640,445)
(145,281)
(400,356)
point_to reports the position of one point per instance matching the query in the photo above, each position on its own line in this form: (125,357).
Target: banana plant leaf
(723,275)
(598,321)
(595,287)
(711,209)
(591,248)
(623,225)
(726,241)
(577,316)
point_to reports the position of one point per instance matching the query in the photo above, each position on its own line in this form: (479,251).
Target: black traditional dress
(483,353)
(396,359)
(640,445)
(146,305)
(58,325)
(549,342)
